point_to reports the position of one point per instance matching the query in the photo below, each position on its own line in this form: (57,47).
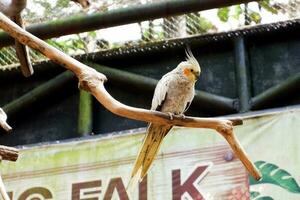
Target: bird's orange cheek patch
(186,72)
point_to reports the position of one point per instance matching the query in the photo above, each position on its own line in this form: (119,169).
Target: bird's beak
(196,74)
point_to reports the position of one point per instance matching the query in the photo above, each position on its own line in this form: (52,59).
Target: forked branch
(93,81)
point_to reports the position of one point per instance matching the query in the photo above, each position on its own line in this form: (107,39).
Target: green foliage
(255,17)
(62,3)
(92,34)
(76,44)
(272,174)
(197,24)
(237,11)
(150,33)
(223,14)
(205,24)
(58,44)
(266,5)
(68,45)
(44,4)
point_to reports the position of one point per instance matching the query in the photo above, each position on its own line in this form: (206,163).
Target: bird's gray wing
(189,101)
(160,93)
(187,106)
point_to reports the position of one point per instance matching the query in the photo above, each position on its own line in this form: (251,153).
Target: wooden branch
(240,153)
(3,190)
(8,153)
(3,123)
(92,81)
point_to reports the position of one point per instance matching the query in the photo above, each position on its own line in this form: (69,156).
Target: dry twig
(93,81)
(7,153)
(3,190)
(3,123)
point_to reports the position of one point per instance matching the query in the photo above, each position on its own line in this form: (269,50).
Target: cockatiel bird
(173,95)
(13,9)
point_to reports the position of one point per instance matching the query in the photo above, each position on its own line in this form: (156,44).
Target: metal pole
(203,100)
(289,87)
(117,17)
(38,93)
(85,113)
(241,74)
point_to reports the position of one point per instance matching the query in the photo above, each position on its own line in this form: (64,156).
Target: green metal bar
(121,77)
(38,93)
(203,100)
(120,16)
(280,92)
(215,103)
(241,74)
(85,114)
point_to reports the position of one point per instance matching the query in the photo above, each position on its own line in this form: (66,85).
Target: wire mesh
(209,21)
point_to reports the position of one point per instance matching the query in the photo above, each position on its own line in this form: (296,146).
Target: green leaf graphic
(254,194)
(274,175)
(264,198)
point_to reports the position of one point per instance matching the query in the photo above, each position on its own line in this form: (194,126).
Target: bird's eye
(192,70)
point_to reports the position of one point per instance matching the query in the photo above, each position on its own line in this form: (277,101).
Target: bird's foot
(170,115)
(181,116)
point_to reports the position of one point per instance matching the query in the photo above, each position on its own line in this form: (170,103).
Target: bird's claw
(170,115)
(181,116)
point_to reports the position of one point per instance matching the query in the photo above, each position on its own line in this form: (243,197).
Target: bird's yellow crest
(191,67)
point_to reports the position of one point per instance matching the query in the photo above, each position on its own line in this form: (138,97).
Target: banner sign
(192,164)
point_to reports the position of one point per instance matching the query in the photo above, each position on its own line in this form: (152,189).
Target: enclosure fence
(144,32)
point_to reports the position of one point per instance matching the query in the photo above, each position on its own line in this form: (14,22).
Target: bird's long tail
(22,52)
(147,153)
